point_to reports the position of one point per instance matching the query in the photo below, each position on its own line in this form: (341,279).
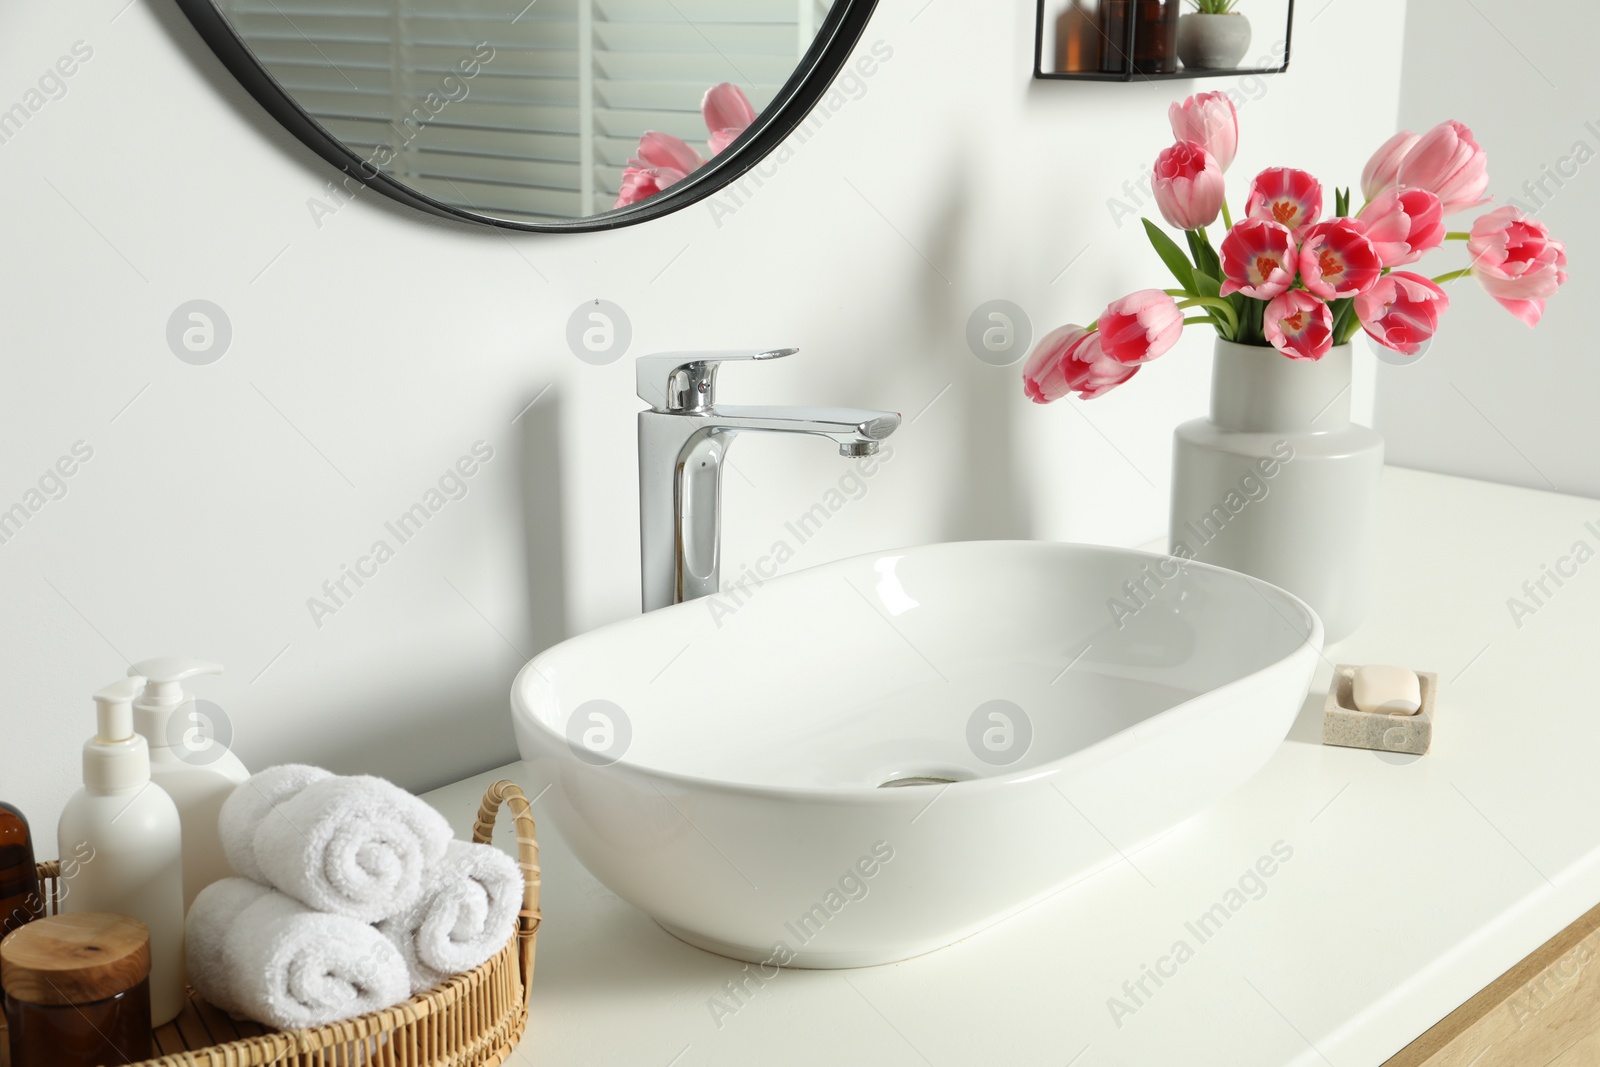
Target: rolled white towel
(357,846)
(463,918)
(215,910)
(257,953)
(251,804)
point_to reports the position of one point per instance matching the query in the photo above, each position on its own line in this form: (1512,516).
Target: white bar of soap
(1386,690)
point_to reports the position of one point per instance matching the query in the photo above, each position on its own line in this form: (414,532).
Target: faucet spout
(847,426)
(682,445)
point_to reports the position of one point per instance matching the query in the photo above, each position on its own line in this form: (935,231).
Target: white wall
(1493,399)
(369,353)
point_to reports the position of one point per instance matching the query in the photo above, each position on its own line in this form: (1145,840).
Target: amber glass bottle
(1077,40)
(20,901)
(1155,36)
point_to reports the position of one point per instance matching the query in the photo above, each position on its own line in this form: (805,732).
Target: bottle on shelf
(1155,36)
(1077,40)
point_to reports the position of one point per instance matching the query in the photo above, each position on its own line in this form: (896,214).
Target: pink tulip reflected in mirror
(665,160)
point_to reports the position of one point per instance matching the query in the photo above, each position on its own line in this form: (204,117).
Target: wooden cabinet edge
(1528,1016)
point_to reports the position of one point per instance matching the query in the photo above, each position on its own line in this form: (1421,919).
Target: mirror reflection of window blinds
(546,126)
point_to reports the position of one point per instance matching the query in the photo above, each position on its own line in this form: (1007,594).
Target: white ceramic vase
(1212,42)
(1278,483)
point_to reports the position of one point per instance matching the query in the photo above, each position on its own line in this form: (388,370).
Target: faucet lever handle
(685,382)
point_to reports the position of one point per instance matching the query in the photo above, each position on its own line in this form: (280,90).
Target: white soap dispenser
(122,847)
(190,761)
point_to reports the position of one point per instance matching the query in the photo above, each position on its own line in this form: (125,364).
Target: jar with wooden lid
(77,991)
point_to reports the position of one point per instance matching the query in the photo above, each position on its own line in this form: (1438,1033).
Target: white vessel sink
(722,766)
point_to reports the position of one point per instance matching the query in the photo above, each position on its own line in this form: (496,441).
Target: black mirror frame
(835,40)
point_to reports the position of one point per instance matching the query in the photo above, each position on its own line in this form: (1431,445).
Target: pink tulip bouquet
(665,160)
(1286,277)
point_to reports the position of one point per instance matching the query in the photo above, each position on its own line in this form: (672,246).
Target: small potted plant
(1214,36)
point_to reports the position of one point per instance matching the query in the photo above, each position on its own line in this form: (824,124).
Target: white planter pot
(1212,42)
(1278,483)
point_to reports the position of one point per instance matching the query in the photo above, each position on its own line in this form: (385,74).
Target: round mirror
(537,114)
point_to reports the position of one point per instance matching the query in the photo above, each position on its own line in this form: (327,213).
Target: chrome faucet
(683,440)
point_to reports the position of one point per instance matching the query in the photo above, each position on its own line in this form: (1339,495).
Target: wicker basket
(473,1020)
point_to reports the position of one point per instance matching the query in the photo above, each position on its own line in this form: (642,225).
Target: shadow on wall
(991,503)
(543,539)
(984,499)
(459,713)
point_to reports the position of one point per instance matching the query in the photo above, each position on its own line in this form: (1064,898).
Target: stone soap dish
(1346,725)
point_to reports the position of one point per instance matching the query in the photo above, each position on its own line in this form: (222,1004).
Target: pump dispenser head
(116,758)
(114,704)
(164,693)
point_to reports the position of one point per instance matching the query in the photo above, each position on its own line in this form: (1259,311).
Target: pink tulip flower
(1140,326)
(1210,121)
(1259,259)
(1337,259)
(1403,224)
(1188,186)
(1298,325)
(1517,262)
(1447,162)
(638,183)
(727,112)
(1068,360)
(663,161)
(1381,170)
(1402,311)
(666,153)
(1286,196)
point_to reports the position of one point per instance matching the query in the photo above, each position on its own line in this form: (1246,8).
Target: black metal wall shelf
(1043,61)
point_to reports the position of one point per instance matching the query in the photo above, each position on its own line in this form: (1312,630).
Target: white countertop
(1413,882)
